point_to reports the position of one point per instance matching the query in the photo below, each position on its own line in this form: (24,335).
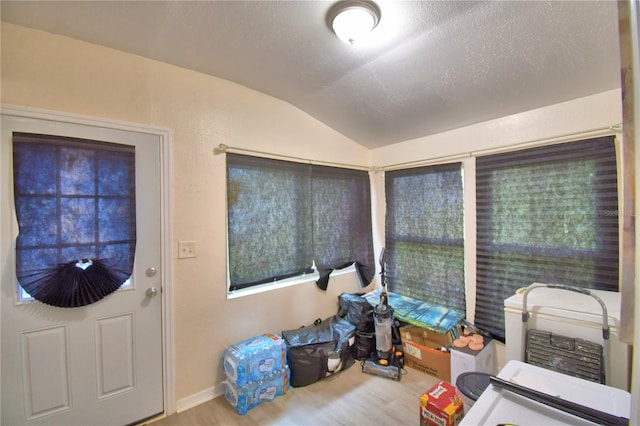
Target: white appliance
(465,360)
(500,406)
(569,314)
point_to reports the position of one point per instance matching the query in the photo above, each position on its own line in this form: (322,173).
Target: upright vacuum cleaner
(388,360)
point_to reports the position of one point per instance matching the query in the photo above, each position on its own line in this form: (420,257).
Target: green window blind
(549,215)
(284,216)
(342,231)
(269,220)
(425,234)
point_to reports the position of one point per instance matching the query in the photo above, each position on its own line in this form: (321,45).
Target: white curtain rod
(222,148)
(568,137)
(601,131)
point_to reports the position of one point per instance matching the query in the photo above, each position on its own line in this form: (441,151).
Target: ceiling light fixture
(352,21)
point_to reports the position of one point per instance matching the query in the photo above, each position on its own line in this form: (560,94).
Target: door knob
(152,292)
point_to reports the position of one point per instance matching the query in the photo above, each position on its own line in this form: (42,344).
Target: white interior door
(97,364)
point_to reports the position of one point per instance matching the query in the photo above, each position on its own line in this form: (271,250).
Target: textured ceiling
(438,65)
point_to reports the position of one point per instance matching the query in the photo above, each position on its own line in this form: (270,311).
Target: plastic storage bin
(471,385)
(244,398)
(254,359)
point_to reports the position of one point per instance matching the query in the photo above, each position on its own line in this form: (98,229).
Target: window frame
(558,153)
(309,275)
(445,167)
(470,207)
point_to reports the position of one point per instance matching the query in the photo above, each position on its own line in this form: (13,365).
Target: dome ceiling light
(352,21)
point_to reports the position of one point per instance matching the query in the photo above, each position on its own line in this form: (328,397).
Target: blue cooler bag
(320,350)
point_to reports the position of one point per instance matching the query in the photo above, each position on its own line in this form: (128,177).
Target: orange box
(441,406)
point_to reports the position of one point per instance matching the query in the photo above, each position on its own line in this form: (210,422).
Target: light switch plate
(186,249)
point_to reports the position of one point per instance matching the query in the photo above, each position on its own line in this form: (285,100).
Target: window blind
(269,220)
(75,200)
(342,232)
(549,215)
(425,234)
(284,216)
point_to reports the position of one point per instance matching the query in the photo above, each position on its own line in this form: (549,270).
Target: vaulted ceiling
(437,65)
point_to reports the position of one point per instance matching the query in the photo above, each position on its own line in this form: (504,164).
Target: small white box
(465,360)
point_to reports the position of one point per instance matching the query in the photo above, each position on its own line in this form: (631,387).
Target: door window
(75,206)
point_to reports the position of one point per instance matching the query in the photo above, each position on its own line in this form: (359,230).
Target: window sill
(307,278)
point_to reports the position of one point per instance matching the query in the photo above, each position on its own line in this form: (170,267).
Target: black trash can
(471,385)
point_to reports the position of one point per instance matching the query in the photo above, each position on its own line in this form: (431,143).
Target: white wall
(57,73)
(51,72)
(580,115)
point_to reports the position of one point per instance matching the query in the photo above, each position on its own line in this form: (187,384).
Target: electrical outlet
(186,249)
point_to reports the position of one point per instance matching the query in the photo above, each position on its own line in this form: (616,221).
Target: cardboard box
(441,406)
(465,359)
(424,354)
(420,335)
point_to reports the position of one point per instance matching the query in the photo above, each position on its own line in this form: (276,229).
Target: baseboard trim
(200,397)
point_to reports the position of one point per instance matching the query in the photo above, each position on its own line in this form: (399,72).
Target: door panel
(45,371)
(97,364)
(114,355)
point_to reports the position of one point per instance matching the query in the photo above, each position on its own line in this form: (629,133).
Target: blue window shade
(548,215)
(424,234)
(75,200)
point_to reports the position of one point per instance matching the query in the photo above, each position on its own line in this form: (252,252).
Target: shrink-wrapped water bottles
(256,371)
(244,398)
(254,359)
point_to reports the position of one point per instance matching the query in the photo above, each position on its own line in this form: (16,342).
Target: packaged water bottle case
(254,359)
(244,398)
(256,371)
